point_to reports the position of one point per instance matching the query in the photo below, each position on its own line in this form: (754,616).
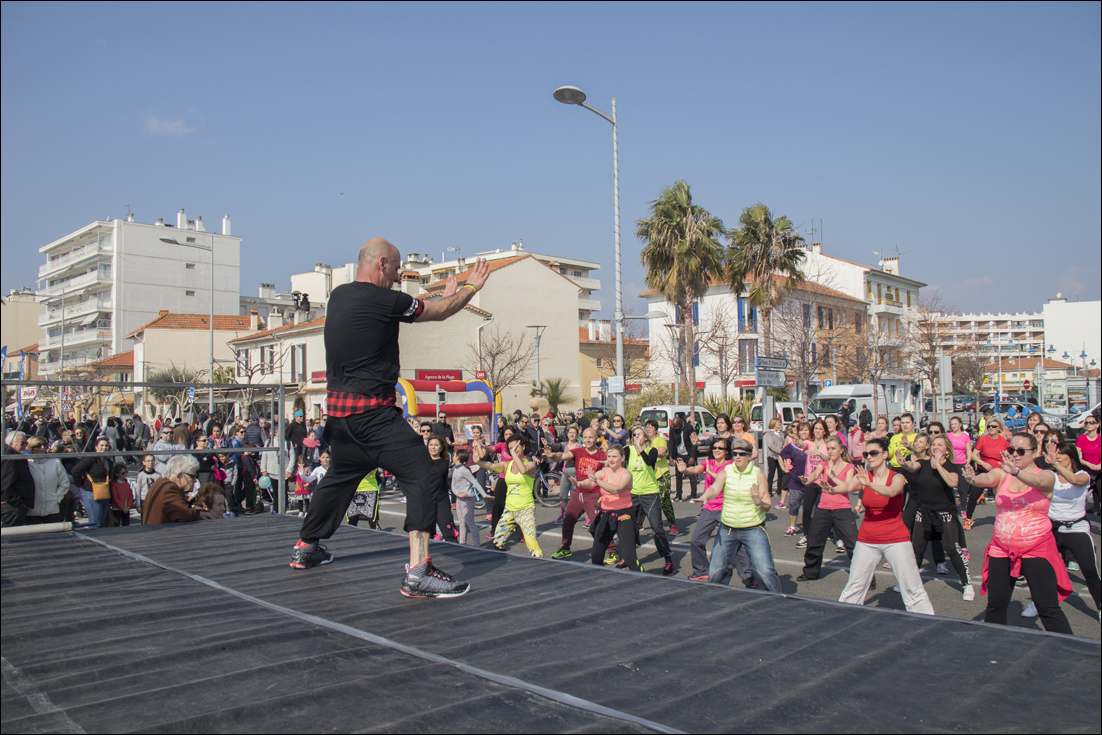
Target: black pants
(677,478)
(774,465)
(1042,588)
(974,495)
(811,499)
(1081,548)
(358,444)
(609,525)
(122,517)
(38,520)
(499,504)
(932,523)
(844,521)
(650,506)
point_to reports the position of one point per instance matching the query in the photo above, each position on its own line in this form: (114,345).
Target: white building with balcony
(108,278)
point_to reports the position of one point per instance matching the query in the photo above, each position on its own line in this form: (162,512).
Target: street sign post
(771,363)
(769,378)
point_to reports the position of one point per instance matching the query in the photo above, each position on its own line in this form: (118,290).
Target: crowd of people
(883,496)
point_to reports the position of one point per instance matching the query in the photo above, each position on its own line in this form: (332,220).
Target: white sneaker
(895,589)
(969,593)
(942,568)
(1030,610)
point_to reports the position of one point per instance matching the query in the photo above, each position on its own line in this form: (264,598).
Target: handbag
(101,490)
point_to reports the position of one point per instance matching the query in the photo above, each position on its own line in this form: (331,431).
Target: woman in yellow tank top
(519,474)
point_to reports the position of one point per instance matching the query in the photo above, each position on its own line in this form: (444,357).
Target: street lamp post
(197,246)
(539,334)
(574,96)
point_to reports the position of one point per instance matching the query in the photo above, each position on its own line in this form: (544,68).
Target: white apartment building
(1062,327)
(321,281)
(108,278)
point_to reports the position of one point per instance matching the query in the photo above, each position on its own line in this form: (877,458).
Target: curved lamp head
(570,95)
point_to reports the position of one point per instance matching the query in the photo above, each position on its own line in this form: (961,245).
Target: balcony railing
(83,308)
(75,284)
(77,337)
(73,256)
(589,305)
(748,326)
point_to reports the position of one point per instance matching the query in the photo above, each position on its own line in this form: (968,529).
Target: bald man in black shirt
(366,430)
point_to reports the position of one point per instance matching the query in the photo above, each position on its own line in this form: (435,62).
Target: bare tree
(929,333)
(878,354)
(718,337)
(505,357)
(248,371)
(635,352)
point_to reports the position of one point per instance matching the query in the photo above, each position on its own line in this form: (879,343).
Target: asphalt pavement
(944,591)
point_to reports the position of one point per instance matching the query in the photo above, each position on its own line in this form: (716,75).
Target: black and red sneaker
(668,570)
(309,555)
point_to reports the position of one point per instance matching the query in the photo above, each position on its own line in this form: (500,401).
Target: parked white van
(785,409)
(705,421)
(830,399)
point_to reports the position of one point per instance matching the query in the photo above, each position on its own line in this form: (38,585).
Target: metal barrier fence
(276,401)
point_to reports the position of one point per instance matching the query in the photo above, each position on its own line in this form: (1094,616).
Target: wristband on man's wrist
(470,286)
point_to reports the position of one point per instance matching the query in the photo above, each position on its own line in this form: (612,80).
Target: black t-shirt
(361,337)
(930,488)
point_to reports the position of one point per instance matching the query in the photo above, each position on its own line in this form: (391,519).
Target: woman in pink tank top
(1022,544)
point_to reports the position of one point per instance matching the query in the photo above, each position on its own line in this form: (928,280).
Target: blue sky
(966,136)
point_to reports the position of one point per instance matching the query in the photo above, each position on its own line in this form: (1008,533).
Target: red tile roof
(121,360)
(583,338)
(496,265)
(222,322)
(1011,364)
(31,349)
(806,286)
(319,322)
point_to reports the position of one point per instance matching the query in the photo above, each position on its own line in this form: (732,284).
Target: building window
(562,270)
(189,293)
(190,266)
(747,354)
(191,239)
(879,292)
(822,317)
(578,274)
(858,321)
(830,318)
(908,299)
(600,362)
(814,352)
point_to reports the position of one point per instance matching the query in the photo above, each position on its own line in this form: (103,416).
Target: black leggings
(1081,548)
(844,521)
(1042,588)
(811,499)
(499,504)
(621,524)
(974,494)
(923,533)
(775,469)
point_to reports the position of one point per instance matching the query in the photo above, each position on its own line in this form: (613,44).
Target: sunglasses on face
(1011,451)
(719,449)
(873,453)
(740,454)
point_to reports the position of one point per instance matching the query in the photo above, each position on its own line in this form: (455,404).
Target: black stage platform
(203,627)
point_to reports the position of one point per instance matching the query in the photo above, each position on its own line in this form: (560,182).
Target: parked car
(1073,427)
(705,421)
(1024,409)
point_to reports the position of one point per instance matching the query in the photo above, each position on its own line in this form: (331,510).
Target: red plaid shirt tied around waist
(341,405)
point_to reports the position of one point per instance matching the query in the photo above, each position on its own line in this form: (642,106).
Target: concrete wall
(151,275)
(1074,326)
(162,348)
(19,323)
(528,292)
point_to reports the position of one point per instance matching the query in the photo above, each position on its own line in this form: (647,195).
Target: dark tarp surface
(117,644)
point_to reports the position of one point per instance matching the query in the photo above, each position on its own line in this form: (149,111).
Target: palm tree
(683,257)
(767,252)
(557,393)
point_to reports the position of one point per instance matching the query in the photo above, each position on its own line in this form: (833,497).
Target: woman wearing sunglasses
(709,518)
(933,478)
(1068,513)
(617,435)
(834,511)
(1090,454)
(1023,544)
(742,516)
(883,534)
